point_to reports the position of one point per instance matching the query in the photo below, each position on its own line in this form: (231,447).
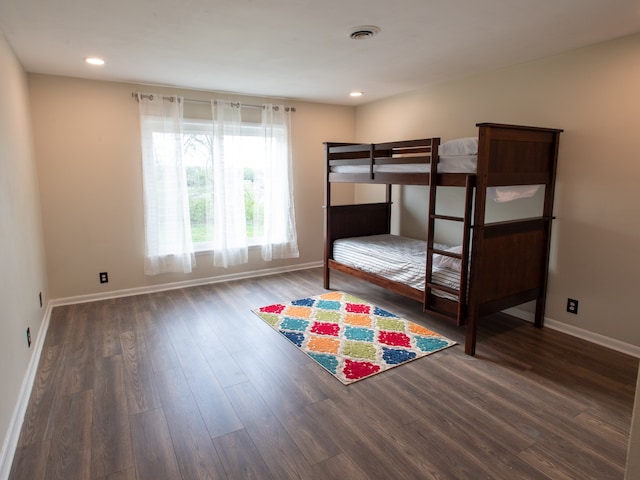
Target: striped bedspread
(396,258)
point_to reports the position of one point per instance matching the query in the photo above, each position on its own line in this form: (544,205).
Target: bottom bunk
(507,265)
(398,264)
(401,261)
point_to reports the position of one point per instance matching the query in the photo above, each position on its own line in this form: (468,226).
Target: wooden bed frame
(507,262)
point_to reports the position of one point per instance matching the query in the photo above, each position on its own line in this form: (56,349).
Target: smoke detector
(363,32)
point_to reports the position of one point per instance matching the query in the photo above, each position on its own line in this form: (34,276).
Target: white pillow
(460,146)
(441,261)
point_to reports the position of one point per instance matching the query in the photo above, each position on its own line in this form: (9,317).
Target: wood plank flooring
(189,384)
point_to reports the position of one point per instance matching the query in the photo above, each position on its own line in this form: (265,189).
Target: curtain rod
(137,96)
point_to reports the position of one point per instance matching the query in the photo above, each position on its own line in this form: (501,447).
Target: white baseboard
(592,337)
(15,422)
(184,284)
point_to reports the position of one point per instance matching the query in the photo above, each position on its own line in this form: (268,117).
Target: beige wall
(88,151)
(592,94)
(22,260)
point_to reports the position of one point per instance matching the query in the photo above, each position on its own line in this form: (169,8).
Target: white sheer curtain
(230,246)
(168,245)
(249,163)
(280,238)
(232,141)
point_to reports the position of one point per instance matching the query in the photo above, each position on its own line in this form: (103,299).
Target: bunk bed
(497,265)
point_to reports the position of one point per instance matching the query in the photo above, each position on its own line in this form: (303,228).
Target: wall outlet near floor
(104,277)
(28,337)
(572,306)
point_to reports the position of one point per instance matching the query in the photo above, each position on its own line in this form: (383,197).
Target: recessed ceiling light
(94,61)
(355,94)
(363,32)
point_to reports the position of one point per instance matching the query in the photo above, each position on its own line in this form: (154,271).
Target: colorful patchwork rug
(350,337)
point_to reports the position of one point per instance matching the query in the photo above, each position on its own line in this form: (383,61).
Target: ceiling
(300,49)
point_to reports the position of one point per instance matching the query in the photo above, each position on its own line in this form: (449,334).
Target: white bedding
(456,156)
(396,258)
(447,164)
(460,146)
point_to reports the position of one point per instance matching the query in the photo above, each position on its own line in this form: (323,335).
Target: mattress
(459,155)
(396,258)
(446,164)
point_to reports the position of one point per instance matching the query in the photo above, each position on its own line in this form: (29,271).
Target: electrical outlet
(572,306)
(104,277)
(28,337)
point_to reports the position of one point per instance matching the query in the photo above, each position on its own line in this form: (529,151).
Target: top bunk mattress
(459,155)
(452,164)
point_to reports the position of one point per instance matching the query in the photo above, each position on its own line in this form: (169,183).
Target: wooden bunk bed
(501,264)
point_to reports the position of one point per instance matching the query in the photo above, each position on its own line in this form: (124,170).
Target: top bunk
(501,155)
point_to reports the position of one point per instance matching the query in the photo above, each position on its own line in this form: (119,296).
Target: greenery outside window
(198,166)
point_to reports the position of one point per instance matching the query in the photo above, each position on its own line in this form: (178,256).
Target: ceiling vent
(363,32)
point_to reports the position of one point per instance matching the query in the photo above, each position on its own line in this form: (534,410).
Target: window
(198,145)
(220,184)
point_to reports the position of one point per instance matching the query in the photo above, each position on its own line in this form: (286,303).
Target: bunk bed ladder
(430,285)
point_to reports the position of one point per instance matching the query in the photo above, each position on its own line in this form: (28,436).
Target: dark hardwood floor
(190,384)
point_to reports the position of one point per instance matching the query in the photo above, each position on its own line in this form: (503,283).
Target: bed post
(480,204)
(327,212)
(547,213)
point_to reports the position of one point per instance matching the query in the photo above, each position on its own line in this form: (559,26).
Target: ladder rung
(447,217)
(444,253)
(444,288)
